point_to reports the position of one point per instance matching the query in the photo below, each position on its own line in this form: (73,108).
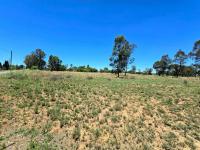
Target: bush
(34,68)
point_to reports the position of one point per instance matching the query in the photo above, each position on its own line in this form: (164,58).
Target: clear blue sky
(82,32)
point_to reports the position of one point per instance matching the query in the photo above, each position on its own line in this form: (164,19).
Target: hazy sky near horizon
(82,32)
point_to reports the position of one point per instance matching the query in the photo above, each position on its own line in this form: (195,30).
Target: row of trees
(177,66)
(36,60)
(119,61)
(122,57)
(82,68)
(5,65)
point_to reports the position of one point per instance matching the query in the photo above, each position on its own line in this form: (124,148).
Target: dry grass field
(65,110)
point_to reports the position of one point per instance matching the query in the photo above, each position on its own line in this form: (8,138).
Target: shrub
(34,68)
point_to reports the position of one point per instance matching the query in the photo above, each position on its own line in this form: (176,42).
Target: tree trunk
(125,70)
(118,74)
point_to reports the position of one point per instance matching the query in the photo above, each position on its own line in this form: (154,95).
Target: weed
(115,119)
(89,78)
(185,82)
(97,133)
(34,145)
(54,113)
(76,133)
(36,109)
(170,141)
(137,109)
(63,121)
(47,128)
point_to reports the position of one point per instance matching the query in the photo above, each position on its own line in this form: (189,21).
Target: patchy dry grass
(66,110)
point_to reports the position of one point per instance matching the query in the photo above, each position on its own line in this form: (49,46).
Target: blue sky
(82,32)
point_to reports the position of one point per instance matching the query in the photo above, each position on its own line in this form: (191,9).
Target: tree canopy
(36,59)
(121,55)
(54,63)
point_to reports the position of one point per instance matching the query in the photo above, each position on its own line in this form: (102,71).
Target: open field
(65,110)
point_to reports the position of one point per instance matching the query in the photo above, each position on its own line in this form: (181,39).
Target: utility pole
(11,59)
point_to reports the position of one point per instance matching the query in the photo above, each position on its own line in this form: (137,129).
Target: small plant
(76,133)
(170,141)
(95,112)
(54,113)
(35,145)
(68,76)
(32,132)
(90,78)
(117,107)
(47,128)
(63,121)
(114,119)
(55,77)
(67,106)
(36,109)
(17,76)
(185,82)
(97,133)
(2,146)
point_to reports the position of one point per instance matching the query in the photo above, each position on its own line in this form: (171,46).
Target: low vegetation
(59,110)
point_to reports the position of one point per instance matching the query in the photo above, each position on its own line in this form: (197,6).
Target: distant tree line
(120,60)
(36,60)
(5,65)
(177,65)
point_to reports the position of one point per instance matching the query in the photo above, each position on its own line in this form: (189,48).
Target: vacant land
(63,110)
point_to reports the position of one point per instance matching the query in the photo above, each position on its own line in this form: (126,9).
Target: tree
(148,71)
(195,54)
(36,59)
(174,70)
(180,59)
(6,65)
(63,68)
(166,63)
(133,69)
(86,69)
(54,63)
(19,67)
(30,61)
(105,70)
(121,55)
(189,71)
(162,66)
(1,66)
(158,66)
(40,55)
